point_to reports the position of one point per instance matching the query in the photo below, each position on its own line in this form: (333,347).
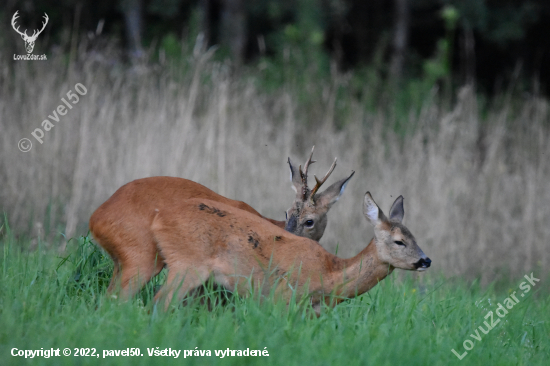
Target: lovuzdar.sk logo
(29,40)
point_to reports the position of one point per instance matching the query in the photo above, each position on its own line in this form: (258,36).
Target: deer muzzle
(423,264)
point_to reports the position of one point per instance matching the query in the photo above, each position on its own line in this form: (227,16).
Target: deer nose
(291,224)
(423,263)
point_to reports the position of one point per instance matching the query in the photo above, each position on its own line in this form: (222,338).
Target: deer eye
(309,223)
(399,242)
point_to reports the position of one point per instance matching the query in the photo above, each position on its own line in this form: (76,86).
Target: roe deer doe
(121,225)
(207,239)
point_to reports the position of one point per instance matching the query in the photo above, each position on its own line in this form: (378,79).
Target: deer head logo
(29,41)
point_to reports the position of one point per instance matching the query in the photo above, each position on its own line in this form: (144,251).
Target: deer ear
(333,193)
(372,212)
(396,211)
(295,177)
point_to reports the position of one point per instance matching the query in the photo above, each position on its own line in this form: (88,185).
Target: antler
(24,34)
(320,182)
(303,174)
(34,36)
(15,16)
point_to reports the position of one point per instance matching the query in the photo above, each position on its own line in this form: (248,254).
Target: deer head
(308,215)
(29,40)
(395,244)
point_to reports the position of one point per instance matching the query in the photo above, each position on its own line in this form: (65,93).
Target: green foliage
(298,47)
(499,22)
(171,46)
(450,15)
(164,8)
(415,321)
(304,35)
(438,67)
(92,268)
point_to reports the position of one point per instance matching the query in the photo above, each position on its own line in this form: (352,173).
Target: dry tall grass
(476,192)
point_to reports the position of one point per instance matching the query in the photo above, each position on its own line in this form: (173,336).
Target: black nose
(423,263)
(291,224)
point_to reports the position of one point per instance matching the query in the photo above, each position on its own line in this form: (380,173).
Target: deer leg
(115,278)
(180,283)
(159,263)
(137,271)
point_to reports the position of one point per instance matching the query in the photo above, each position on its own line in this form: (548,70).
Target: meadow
(51,301)
(473,172)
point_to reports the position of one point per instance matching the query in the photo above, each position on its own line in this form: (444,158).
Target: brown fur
(121,225)
(238,249)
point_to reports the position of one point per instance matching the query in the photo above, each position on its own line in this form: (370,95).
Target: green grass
(51,302)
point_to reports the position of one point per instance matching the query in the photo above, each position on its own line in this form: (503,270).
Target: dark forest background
(449,41)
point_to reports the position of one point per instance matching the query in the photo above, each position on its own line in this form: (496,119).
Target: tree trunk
(400,37)
(205,7)
(469,59)
(234,28)
(132,10)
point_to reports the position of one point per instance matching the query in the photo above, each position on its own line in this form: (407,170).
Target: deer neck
(280,224)
(361,273)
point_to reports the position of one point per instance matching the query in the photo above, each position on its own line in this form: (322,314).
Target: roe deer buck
(209,239)
(121,225)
